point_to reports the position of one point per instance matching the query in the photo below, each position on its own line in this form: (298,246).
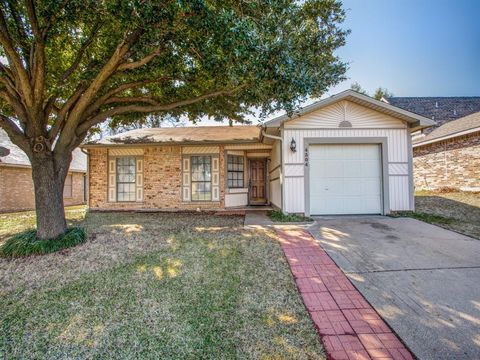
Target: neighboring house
(440,109)
(16,184)
(449,156)
(348,154)
(446,154)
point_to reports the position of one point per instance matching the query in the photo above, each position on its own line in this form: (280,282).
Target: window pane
(201,178)
(126,178)
(235,171)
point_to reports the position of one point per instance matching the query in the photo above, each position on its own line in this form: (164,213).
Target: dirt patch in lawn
(156,286)
(458,211)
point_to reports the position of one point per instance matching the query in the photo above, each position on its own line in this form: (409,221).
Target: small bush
(26,243)
(278,216)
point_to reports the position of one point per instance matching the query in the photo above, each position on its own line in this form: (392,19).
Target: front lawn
(458,211)
(158,286)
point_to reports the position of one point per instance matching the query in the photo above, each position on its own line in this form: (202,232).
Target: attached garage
(345,179)
(348,154)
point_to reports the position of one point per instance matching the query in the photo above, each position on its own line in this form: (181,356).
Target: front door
(257,192)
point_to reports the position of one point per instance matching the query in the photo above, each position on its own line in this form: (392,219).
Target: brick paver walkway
(348,326)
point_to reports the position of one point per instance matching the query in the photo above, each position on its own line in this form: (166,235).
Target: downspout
(86,187)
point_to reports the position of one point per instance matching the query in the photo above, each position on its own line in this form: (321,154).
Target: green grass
(151,286)
(429,218)
(454,210)
(26,243)
(278,216)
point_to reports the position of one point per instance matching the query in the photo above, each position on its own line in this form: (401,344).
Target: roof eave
(418,121)
(446,137)
(171,143)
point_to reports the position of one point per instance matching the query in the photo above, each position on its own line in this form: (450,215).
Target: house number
(306,156)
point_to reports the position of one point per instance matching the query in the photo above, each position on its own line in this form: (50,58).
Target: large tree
(66,66)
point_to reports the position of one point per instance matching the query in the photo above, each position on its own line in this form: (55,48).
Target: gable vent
(345,124)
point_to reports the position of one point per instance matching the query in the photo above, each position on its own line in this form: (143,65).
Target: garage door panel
(345,179)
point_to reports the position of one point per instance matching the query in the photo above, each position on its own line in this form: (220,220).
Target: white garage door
(345,179)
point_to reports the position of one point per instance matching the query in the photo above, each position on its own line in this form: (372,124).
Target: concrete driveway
(422,279)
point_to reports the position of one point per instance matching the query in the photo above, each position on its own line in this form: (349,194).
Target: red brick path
(348,326)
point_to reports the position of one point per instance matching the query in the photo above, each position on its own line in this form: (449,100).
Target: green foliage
(281,52)
(27,243)
(358,88)
(278,216)
(382,93)
(426,217)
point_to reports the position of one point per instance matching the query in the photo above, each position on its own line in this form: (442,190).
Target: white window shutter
(112,181)
(186,179)
(139,180)
(215,179)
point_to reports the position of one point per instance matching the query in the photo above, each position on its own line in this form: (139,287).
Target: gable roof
(17,156)
(440,109)
(184,135)
(459,127)
(416,121)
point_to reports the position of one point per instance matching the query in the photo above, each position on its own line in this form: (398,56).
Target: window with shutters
(126,178)
(235,171)
(201,178)
(68,187)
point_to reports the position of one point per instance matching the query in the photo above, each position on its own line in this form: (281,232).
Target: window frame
(235,171)
(118,182)
(192,181)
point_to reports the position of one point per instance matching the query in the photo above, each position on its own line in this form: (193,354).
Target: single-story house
(16,184)
(449,156)
(347,154)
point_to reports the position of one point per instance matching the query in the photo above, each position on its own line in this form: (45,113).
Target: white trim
(415,120)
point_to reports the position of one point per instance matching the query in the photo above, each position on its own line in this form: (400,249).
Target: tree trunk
(48,175)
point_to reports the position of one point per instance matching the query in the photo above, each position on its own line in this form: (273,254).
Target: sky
(411,47)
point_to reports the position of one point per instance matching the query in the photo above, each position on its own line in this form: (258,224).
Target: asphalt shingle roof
(440,109)
(190,134)
(453,127)
(17,157)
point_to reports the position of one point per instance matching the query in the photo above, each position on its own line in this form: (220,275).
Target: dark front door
(257,192)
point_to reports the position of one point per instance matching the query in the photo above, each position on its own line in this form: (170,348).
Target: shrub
(278,216)
(26,243)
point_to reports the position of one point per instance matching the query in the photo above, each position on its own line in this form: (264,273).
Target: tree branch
(141,62)
(134,99)
(85,125)
(32,16)
(14,133)
(14,60)
(80,53)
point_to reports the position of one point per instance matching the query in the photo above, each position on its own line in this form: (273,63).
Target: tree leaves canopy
(68,65)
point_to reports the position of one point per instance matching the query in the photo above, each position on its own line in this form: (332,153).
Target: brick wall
(16,189)
(162,178)
(453,163)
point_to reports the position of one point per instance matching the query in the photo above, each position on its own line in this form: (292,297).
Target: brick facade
(453,163)
(17,194)
(162,178)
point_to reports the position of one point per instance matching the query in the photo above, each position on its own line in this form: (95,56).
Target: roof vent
(345,124)
(4,151)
